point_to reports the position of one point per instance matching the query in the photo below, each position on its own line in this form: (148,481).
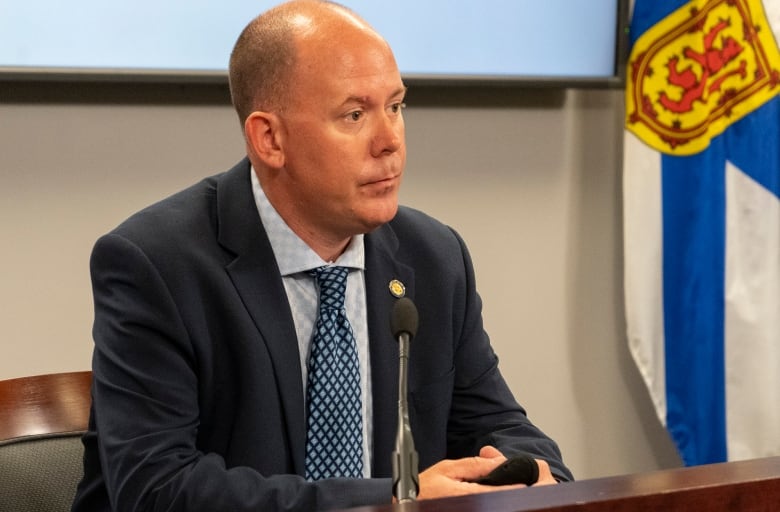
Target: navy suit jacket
(198,402)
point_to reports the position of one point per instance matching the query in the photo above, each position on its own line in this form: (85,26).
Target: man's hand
(454,477)
(545,476)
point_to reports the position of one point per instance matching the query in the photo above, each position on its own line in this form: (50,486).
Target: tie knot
(333,283)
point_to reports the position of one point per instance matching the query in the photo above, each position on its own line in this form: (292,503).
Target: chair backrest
(42,419)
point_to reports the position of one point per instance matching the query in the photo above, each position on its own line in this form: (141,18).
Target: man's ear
(264,136)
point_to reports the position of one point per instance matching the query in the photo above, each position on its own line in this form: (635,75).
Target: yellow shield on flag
(703,67)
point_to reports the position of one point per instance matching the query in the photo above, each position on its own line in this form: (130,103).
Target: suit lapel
(381,269)
(256,276)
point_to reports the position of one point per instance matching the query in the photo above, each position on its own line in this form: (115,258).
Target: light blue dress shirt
(295,258)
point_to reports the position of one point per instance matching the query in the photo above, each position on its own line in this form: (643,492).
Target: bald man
(205,305)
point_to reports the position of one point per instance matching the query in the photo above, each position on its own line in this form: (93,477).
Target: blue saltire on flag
(703,106)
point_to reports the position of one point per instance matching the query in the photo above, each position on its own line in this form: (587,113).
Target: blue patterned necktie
(334,438)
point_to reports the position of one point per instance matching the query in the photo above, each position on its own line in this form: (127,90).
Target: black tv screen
(567,41)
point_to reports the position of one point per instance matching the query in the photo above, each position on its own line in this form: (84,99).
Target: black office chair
(42,419)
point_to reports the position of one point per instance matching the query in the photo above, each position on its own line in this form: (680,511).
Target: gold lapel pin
(397,288)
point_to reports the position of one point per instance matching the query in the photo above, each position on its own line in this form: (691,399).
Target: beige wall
(531,179)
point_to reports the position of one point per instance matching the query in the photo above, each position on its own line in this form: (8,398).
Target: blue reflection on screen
(430,37)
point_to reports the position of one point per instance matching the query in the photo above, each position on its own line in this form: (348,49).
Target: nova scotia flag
(702,221)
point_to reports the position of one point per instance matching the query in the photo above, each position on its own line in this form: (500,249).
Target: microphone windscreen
(404,317)
(519,469)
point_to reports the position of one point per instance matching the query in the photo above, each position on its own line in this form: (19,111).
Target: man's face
(344,148)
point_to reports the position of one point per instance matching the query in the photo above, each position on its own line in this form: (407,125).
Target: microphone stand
(405,464)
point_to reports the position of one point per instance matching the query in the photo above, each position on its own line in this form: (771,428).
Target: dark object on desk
(520,469)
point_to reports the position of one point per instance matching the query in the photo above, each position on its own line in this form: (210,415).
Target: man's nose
(389,136)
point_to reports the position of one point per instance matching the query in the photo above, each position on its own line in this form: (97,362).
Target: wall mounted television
(559,42)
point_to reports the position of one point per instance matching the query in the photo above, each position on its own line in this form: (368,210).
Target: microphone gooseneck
(406,485)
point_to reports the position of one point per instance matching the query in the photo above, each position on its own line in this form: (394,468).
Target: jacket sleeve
(484,410)
(459,401)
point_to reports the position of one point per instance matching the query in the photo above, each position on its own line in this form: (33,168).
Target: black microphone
(406,484)
(519,469)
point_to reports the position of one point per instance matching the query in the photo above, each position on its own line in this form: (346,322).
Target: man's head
(320,98)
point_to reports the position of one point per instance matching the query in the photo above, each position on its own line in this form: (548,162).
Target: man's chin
(379,217)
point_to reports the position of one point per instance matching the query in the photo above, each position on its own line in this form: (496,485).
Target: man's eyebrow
(355,100)
(364,100)
(401,91)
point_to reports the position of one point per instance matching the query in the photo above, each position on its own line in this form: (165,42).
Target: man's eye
(397,107)
(355,116)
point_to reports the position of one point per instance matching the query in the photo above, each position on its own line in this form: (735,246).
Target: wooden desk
(746,486)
